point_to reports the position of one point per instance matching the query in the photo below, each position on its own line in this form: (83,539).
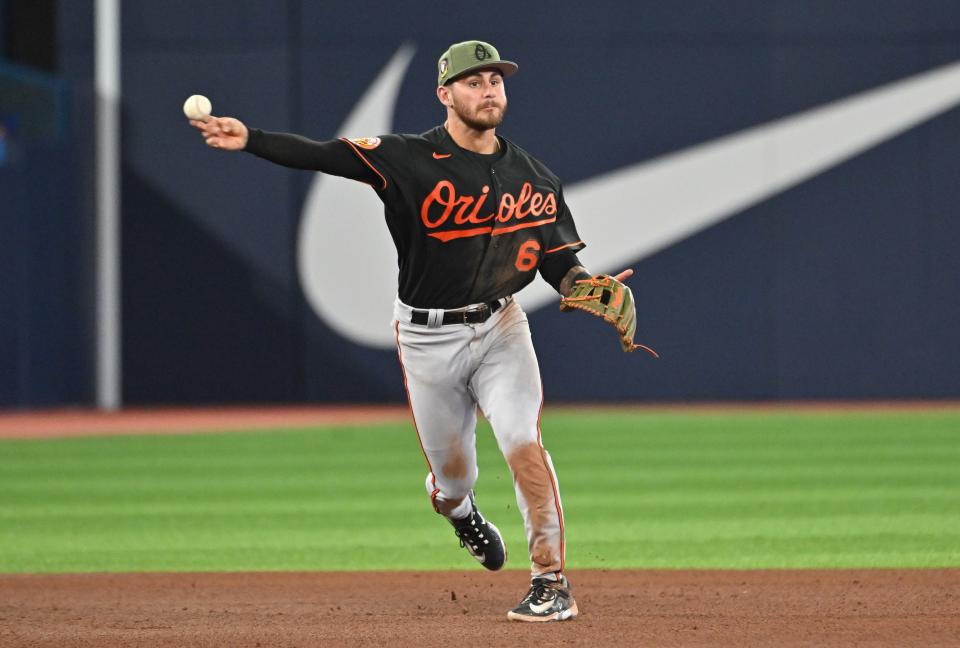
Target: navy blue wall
(844,286)
(44,248)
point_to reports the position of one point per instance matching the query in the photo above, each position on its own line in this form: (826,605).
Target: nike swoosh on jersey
(441,156)
(676,195)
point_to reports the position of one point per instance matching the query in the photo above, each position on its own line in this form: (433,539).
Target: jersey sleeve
(556,266)
(564,235)
(384,155)
(298,152)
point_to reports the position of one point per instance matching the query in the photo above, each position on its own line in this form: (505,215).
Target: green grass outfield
(755,489)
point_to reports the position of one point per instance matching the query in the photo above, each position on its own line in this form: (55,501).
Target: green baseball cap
(467,56)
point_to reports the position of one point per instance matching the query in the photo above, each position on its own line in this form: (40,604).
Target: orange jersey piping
(562,247)
(365,161)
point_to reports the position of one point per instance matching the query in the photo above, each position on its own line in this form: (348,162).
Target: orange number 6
(527,257)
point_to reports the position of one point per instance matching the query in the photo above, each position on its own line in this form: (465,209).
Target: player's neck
(478,141)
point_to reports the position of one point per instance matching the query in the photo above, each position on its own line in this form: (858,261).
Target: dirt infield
(625,608)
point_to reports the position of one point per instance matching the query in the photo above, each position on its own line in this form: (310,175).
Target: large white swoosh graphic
(672,196)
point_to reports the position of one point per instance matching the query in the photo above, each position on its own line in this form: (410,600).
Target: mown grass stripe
(641,489)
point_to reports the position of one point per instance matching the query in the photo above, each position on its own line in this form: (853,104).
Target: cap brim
(506,69)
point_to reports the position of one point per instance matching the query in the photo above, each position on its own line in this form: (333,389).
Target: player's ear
(443,95)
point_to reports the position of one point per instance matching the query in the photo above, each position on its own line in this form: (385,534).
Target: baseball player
(474,218)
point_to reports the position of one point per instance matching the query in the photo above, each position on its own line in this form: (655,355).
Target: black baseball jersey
(469,228)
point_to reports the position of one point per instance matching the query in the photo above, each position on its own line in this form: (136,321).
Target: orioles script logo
(443,202)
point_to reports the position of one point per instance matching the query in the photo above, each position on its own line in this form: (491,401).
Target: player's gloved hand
(607,297)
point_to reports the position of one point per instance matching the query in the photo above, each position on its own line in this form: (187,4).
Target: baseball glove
(605,297)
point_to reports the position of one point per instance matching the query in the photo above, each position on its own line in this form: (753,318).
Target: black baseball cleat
(547,600)
(481,538)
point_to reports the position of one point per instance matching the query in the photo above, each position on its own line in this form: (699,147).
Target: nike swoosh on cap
(676,195)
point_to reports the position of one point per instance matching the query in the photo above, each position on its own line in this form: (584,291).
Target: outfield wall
(840,285)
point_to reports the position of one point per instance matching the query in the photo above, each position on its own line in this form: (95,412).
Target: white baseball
(197,107)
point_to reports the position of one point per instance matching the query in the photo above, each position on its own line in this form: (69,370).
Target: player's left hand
(608,297)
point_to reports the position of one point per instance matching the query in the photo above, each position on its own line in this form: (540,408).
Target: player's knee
(514,431)
(443,488)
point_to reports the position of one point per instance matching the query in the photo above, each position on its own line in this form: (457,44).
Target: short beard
(478,122)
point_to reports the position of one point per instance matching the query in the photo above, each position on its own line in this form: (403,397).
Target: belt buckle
(476,315)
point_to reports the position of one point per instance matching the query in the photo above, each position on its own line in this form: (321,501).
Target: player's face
(479,99)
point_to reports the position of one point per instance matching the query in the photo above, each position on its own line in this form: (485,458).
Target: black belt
(477,315)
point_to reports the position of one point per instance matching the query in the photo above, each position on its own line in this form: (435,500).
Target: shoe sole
(566,615)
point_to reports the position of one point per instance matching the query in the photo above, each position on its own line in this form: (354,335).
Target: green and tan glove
(610,299)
